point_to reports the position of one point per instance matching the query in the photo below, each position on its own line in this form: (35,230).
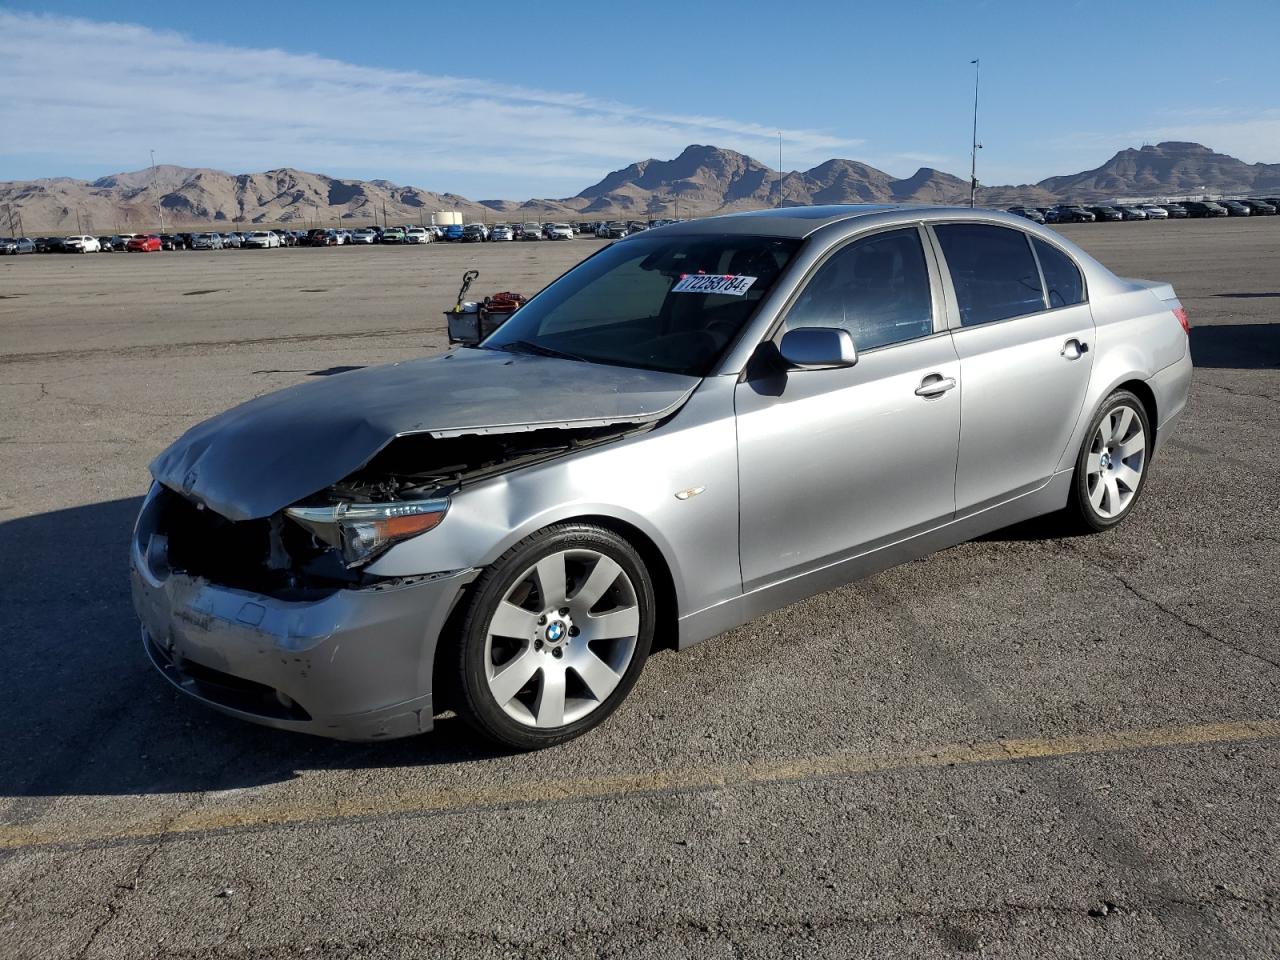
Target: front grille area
(272,556)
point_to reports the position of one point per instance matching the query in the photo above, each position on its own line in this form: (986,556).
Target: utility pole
(779,169)
(973,156)
(159,208)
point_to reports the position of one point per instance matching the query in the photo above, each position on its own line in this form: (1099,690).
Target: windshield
(659,303)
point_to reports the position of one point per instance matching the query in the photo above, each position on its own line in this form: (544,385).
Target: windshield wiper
(528,346)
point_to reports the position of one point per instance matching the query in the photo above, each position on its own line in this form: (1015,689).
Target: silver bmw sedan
(694,426)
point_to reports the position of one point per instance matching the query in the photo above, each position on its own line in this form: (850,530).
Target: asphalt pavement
(1024,746)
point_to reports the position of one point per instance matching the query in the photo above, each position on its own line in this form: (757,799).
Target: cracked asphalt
(1024,746)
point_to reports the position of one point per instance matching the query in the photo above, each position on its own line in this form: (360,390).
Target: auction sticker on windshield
(733,285)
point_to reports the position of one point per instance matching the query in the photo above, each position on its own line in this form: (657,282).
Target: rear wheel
(1112,465)
(555,637)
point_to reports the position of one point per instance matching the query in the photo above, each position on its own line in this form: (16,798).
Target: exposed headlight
(361,531)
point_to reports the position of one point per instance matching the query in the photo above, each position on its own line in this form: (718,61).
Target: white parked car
(417,235)
(261,239)
(502,232)
(82,244)
(559,231)
(1153,212)
(364,235)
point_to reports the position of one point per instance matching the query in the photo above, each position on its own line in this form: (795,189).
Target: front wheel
(554,638)
(1111,468)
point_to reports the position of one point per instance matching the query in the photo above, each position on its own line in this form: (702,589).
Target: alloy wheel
(561,638)
(1116,459)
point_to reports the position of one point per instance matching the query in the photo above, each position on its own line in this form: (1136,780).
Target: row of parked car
(323,237)
(1075,213)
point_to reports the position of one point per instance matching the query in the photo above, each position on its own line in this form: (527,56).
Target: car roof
(794,222)
(803,221)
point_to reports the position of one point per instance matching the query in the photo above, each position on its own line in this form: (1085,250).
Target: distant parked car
(1030,213)
(1260,208)
(531,231)
(364,235)
(417,235)
(502,232)
(48,244)
(1106,213)
(1069,213)
(144,243)
(1204,208)
(1050,214)
(1153,212)
(393,235)
(613,230)
(1234,208)
(1176,211)
(81,244)
(559,231)
(473,233)
(13,246)
(453,233)
(206,241)
(262,240)
(1132,213)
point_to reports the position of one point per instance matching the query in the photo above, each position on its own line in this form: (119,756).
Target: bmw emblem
(555,630)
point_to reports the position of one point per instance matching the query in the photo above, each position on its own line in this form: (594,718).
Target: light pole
(973,156)
(159,207)
(779,168)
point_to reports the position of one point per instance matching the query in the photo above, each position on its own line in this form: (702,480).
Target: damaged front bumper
(354,665)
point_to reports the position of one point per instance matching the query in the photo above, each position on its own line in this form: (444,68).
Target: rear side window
(877,289)
(992,270)
(1062,280)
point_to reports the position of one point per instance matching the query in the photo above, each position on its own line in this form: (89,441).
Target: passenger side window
(992,270)
(877,289)
(1062,280)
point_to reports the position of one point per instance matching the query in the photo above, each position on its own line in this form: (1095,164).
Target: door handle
(1074,349)
(934,385)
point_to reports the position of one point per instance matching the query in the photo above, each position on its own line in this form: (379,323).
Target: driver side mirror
(818,348)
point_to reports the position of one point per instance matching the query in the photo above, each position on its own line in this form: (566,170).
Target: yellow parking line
(458,799)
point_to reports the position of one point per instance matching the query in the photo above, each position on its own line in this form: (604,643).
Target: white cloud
(90,94)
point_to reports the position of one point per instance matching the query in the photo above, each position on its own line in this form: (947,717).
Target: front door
(835,462)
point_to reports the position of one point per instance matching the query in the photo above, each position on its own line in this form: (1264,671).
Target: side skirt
(706,623)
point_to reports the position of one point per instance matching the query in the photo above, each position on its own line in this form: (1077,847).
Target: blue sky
(504,99)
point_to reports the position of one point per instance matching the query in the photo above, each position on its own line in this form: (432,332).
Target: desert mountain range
(702,180)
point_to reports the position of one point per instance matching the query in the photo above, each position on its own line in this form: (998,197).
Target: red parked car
(143,244)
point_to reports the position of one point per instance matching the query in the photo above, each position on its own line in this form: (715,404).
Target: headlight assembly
(361,531)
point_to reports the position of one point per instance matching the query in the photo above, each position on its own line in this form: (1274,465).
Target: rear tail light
(1181,314)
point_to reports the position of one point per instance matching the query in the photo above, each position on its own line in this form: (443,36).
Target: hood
(272,451)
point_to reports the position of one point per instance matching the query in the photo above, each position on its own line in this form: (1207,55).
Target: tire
(563,681)
(1111,468)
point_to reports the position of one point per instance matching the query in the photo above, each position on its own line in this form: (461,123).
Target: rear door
(1024,339)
